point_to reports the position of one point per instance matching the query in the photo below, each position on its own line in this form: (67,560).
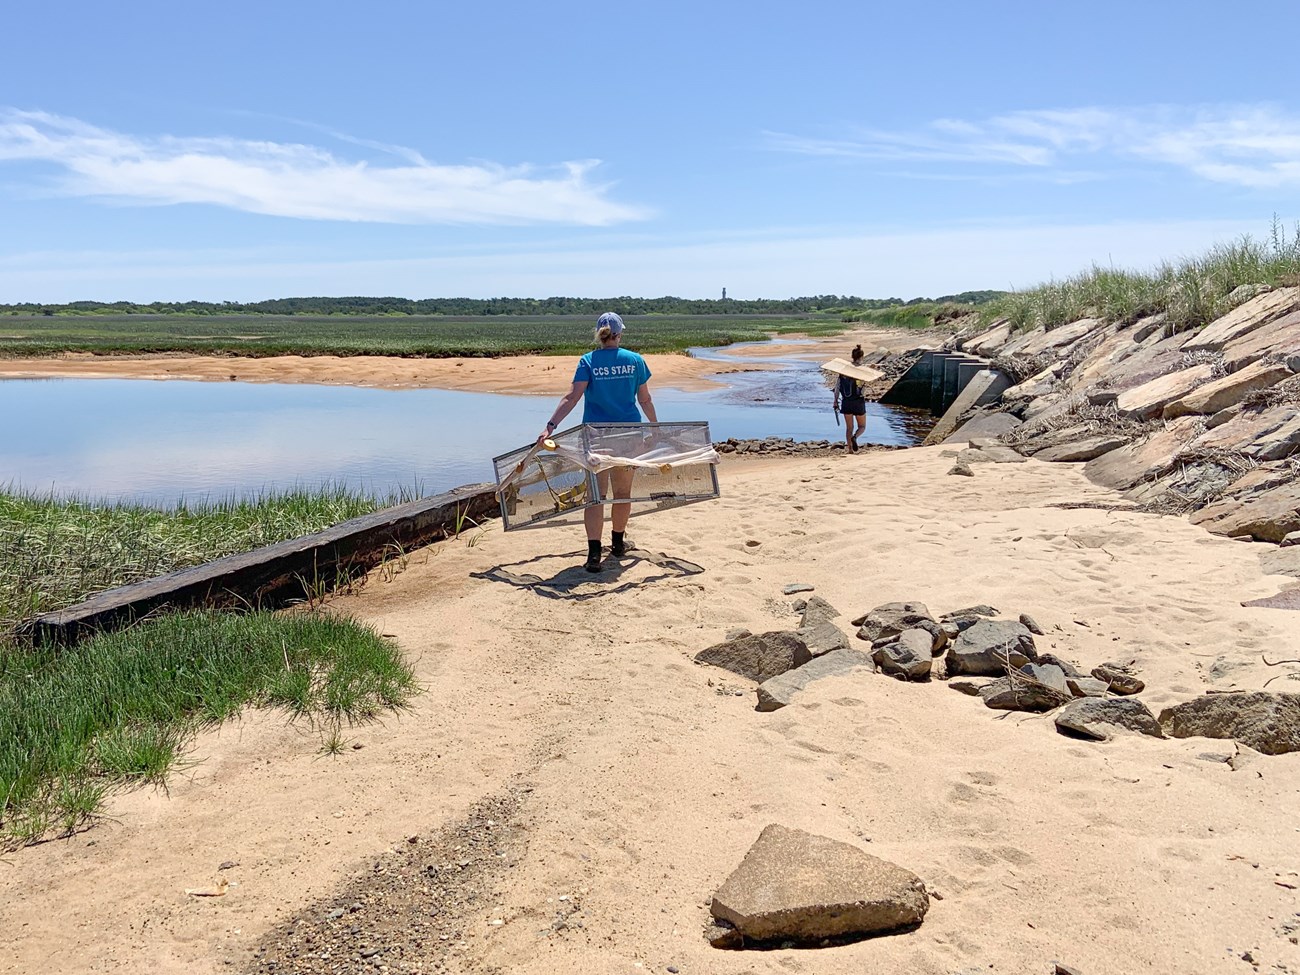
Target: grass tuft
(119,709)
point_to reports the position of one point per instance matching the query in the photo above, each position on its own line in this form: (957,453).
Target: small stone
(1087,686)
(722,935)
(1031,624)
(228,865)
(1119,679)
(962,469)
(799,605)
(1066,970)
(795,587)
(966,687)
(737,633)
(1293,538)
(909,657)
(335,914)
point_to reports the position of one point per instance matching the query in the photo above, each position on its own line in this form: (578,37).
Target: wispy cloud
(1256,146)
(304,181)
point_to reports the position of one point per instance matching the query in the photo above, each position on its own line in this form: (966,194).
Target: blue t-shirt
(612,376)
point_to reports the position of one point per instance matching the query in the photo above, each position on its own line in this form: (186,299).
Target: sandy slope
(648,785)
(548,375)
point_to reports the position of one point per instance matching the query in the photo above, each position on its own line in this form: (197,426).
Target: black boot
(593,555)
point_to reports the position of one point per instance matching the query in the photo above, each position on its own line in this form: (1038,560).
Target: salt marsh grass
(119,709)
(55,552)
(1189,292)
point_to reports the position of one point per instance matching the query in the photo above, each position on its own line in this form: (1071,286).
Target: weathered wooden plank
(274,574)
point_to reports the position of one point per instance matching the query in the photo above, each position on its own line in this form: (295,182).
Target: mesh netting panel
(651,465)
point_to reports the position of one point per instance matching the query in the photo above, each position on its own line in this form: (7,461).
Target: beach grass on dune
(120,708)
(397,335)
(1189,292)
(54,552)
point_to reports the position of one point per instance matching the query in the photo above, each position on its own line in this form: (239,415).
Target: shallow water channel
(158,441)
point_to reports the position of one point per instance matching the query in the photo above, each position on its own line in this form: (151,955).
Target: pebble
(795,587)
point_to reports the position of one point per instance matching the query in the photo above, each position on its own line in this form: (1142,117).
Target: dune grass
(1189,292)
(914,315)
(54,552)
(120,709)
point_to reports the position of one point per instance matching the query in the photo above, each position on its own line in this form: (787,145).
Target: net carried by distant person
(554,481)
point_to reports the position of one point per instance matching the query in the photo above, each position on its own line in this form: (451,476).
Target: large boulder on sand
(759,657)
(988,647)
(1268,723)
(779,691)
(796,886)
(1099,718)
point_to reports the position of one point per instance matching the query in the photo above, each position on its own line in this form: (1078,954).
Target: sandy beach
(632,780)
(526,374)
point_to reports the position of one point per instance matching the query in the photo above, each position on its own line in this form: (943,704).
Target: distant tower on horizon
(724,294)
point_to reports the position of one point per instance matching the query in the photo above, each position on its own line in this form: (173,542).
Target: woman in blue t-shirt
(611,381)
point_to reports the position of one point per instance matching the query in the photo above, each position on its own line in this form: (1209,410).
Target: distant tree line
(489,306)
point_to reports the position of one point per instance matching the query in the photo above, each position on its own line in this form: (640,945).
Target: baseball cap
(612,320)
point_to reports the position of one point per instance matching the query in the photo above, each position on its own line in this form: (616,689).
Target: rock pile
(1203,421)
(909,643)
(789,447)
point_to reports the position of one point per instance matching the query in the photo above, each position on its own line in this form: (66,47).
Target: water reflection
(158,441)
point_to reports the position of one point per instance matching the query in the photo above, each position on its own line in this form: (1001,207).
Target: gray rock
(1268,723)
(1291,538)
(758,657)
(1118,679)
(988,647)
(891,619)
(1269,515)
(795,587)
(909,657)
(968,687)
(736,632)
(980,609)
(1099,718)
(779,691)
(817,610)
(962,469)
(795,886)
(1049,676)
(1005,695)
(1082,450)
(799,605)
(938,636)
(1031,624)
(950,628)
(822,638)
(990,453)
(1067,668)
(1086,686)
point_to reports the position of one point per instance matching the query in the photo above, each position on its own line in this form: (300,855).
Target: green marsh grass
(1189,292)
(398,335)
(120,708)
(54,552)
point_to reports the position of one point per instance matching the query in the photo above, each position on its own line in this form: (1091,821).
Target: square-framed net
(670,464)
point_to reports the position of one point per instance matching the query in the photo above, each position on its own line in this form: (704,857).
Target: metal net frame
(670,465)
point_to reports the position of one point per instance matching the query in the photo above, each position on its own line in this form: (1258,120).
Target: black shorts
(855,406)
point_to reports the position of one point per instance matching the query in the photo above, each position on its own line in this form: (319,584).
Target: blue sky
(159,151)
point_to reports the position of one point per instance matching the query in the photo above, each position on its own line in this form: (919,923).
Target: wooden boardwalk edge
(275,574)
